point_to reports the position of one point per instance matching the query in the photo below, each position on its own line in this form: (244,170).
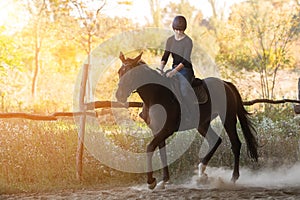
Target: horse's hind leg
(214,142)
(230,126)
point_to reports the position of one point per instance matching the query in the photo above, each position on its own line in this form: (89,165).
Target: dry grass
(40,156)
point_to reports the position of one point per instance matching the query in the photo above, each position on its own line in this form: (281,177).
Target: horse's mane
(140,75)
(149,69)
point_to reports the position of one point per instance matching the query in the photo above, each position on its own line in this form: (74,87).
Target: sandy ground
(171,192)
(214,188)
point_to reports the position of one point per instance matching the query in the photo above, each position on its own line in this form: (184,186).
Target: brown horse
(158,92)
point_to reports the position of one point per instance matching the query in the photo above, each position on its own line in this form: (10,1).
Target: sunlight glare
(12,16)
(132,9)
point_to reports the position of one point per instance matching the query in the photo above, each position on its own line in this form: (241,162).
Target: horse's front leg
(150,179)
(163,157)
(158,140)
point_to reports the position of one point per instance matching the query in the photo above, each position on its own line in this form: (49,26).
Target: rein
(159,72)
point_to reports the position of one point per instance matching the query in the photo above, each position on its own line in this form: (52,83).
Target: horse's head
(128,63)
(124,89)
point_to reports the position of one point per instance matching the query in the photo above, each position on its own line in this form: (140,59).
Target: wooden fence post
(81,133)
(299,89)
(297,106)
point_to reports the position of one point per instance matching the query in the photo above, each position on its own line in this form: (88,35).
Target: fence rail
(53,116)
(113,104)
(255,101)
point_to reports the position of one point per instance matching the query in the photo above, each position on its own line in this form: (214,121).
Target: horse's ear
(122,57)
(138,58)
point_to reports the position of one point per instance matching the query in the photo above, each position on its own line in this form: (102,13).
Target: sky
(6,10)
(139,11)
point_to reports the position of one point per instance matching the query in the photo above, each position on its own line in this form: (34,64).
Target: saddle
(199,89)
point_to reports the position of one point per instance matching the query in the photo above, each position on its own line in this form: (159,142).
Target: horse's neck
(147,91)
(147,70)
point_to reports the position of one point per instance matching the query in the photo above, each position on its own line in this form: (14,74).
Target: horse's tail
(246,125)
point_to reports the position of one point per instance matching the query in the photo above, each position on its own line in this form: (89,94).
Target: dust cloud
(281,177)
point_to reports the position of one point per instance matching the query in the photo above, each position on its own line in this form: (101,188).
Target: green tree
(63,49)
(89,21)
(258,37)
(37,11)
(35,33)
(156,12)
(182,8)
(199,29)
(11,66)
(10,55)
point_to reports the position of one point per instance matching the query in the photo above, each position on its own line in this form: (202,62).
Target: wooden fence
(86,109)
(110,104)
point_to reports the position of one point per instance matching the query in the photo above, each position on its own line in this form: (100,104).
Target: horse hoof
(203,179)
(152,185)
(161,185)
(201,168)
(233,180)
(235,177)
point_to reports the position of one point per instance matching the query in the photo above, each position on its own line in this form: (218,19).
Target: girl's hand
(171,73)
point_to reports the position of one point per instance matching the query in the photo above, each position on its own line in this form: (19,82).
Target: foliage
(183,8)
(25,151)
(200,30)
(10,55)
(40,156)
(259,37)
(156,12)
(278,134)
(54,39)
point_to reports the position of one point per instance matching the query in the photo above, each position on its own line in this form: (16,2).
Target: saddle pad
(201,94)
(198,86)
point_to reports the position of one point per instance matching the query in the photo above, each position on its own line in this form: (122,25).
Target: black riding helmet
(179,23)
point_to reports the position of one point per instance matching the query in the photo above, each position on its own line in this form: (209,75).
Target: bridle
(126,84)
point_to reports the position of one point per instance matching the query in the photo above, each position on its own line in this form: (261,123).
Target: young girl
(180,47)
